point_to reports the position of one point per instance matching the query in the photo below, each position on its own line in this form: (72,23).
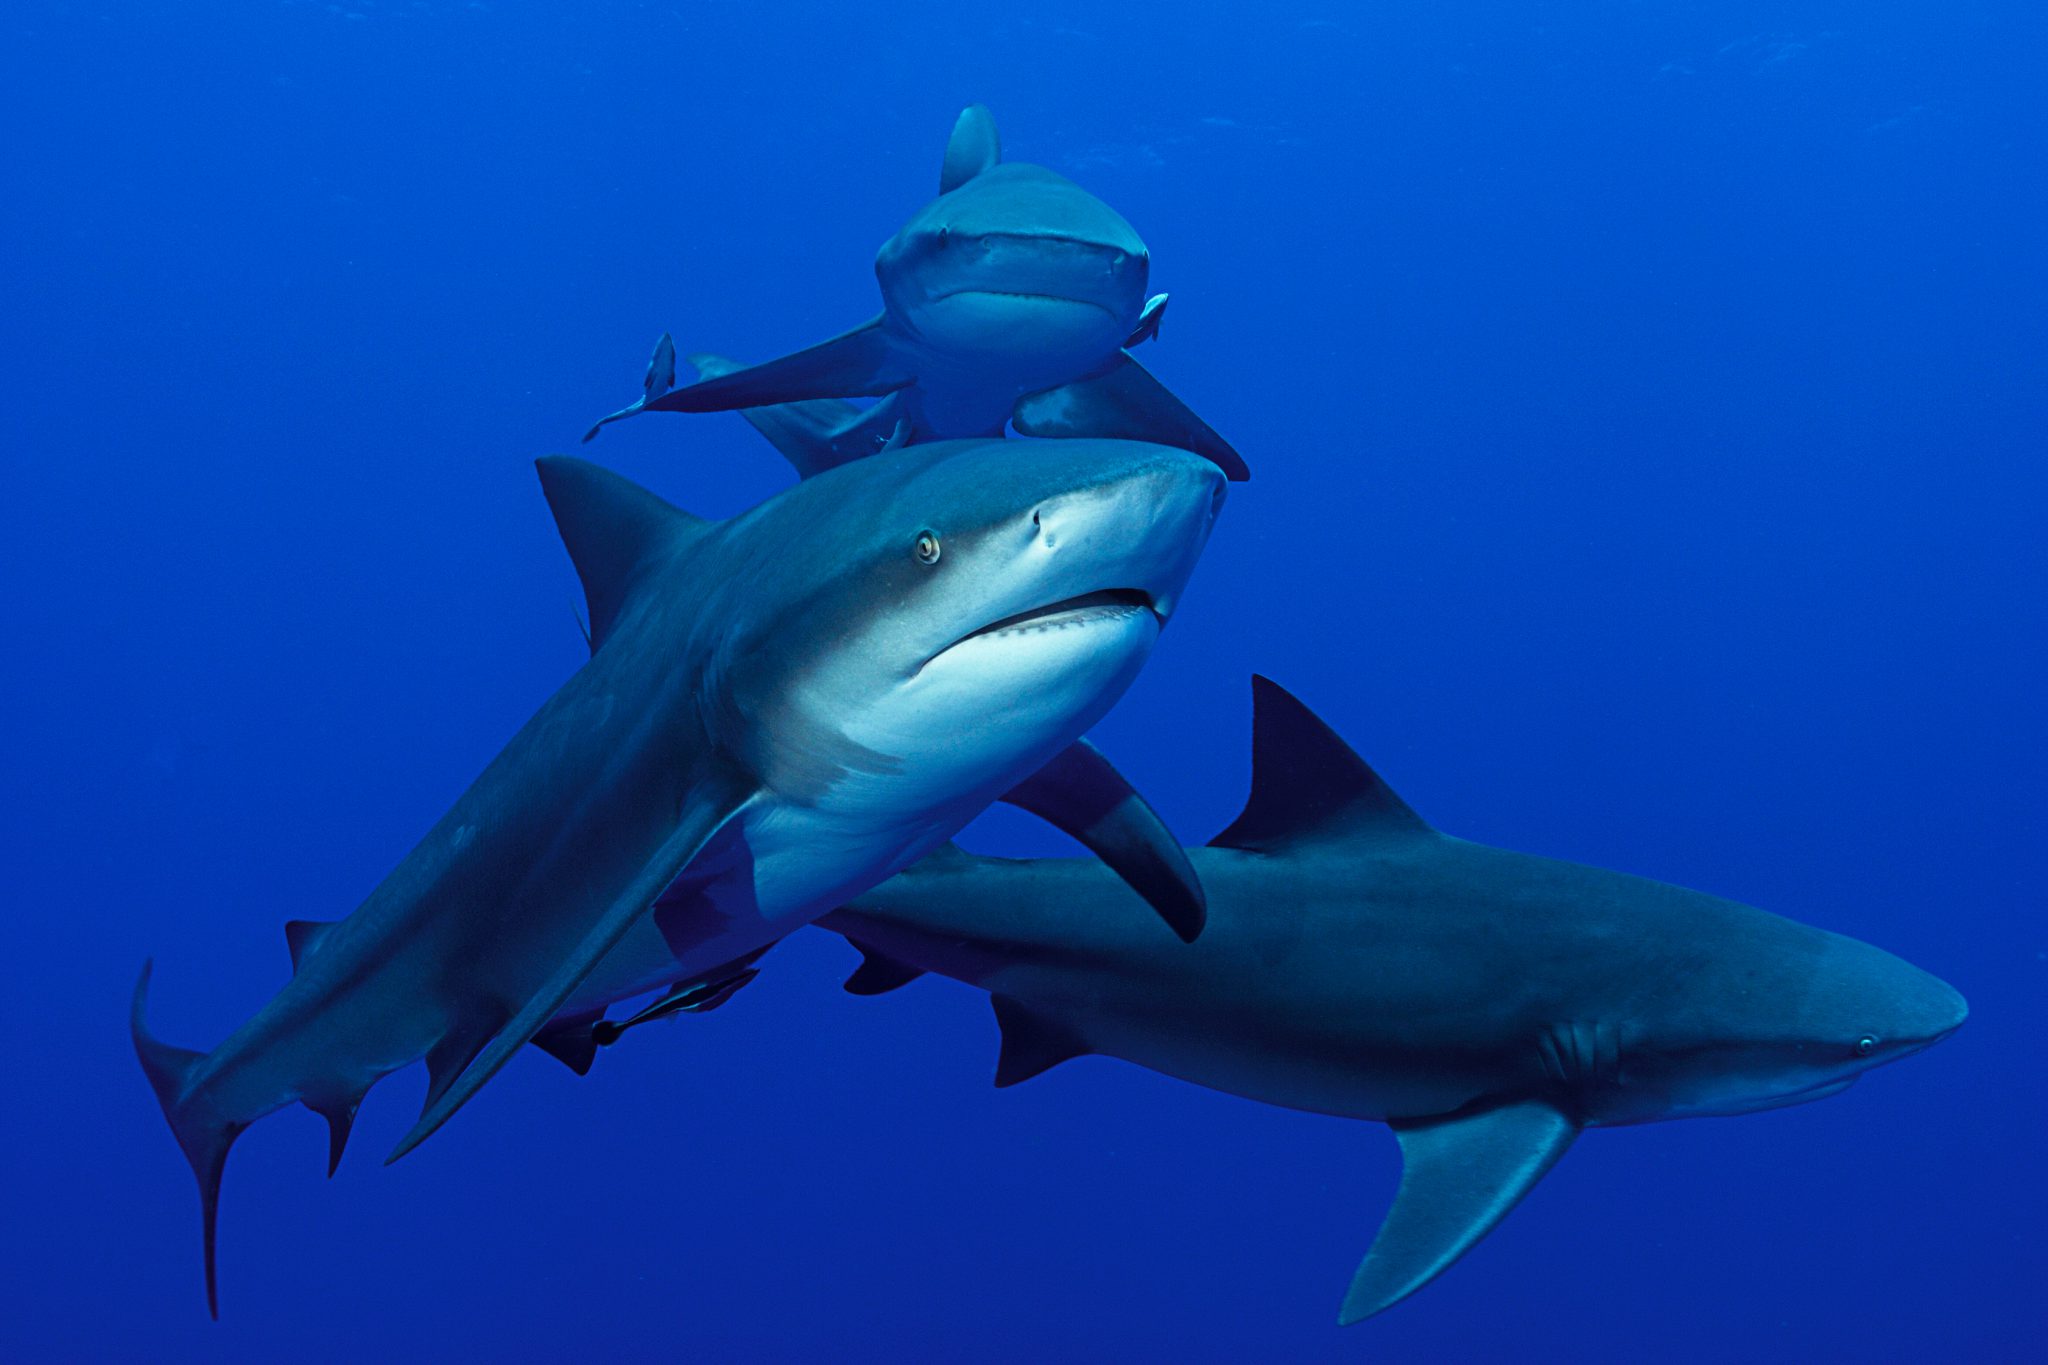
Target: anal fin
(571,1041)
(878,973)
(340,1113)
(1032,1042)
(1460,1176)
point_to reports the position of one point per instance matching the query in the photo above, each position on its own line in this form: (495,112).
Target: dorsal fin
(612,528)
(1307,782)
(1032,1043)
(302,936)
(973,148)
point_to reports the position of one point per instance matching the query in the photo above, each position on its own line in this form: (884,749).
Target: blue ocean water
(1646,405)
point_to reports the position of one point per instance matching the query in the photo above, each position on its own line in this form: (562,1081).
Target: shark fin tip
(408,1142)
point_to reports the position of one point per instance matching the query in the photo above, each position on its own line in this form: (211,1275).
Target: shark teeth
(1086,609)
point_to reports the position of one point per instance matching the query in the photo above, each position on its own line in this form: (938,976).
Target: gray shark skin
(776,716)
(1487,1005)
(1011,299)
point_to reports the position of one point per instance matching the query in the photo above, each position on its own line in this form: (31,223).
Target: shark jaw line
(1027,296)
(1088,609)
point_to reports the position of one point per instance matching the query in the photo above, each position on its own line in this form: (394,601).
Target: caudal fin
(204,1140)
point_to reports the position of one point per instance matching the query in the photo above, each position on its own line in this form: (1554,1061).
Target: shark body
(1010,300)
(1487,1005)
(779,711)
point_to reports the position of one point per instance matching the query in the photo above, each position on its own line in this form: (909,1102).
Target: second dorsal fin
(1307,782)
(302,936)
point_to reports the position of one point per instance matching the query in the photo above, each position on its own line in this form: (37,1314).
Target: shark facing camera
(967,278)
(1011,300)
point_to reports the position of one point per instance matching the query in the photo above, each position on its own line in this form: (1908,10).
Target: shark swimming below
(1011,299)
(780,710)
(1487,1005)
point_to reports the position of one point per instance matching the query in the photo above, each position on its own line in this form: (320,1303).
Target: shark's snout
(1902,1009)
(1144,527)
(1926,1013)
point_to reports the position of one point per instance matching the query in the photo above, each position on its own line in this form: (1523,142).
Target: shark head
(1013,261)
(1780,1014)
(1007,593)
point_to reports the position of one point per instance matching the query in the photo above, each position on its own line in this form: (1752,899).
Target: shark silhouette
(1012,299)
(779,711)
(1486,1005)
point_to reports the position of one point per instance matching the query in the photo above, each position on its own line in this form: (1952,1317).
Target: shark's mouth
(1069,613)
(1027,296)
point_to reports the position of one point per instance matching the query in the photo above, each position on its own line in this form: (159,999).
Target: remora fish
(1011,298)
(781,710)
(1487,1005)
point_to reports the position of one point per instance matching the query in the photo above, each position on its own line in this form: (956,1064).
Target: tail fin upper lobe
(204,1139)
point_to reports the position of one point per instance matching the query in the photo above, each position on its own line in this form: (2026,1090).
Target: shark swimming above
(779,711)
(1011,299)
(1487,1005)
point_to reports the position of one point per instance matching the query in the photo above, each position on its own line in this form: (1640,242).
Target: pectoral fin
(856,364)
(817,434)
(1124,401)
(713,801)
(1083,795)
(1460,1177)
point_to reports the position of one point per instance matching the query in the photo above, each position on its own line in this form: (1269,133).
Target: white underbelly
(776,868)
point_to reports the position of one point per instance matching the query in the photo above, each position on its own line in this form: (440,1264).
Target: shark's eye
(927,548)
(1865,1045)
(944,236)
